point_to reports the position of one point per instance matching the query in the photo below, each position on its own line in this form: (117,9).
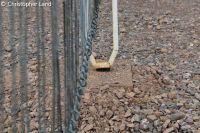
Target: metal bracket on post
(107,65)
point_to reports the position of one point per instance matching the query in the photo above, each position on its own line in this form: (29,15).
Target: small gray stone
(186,127)
(156,123)
(189,120)
(127,114)
(197,96)
(166,80)
(152,117)
(109,114)
(136,118)
(171,105)
(177,116)
(119,95)
(187,75)
(93,109)
(144,124)
(190,91)
(163,106)
(88,128)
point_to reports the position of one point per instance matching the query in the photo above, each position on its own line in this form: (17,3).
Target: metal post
(107,65)
(115,32)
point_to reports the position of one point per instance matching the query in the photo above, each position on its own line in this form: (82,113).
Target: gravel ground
(160,41)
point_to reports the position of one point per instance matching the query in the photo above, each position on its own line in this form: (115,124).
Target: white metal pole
(115,32)
(105,65)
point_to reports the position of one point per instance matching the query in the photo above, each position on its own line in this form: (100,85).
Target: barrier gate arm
(109,64)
